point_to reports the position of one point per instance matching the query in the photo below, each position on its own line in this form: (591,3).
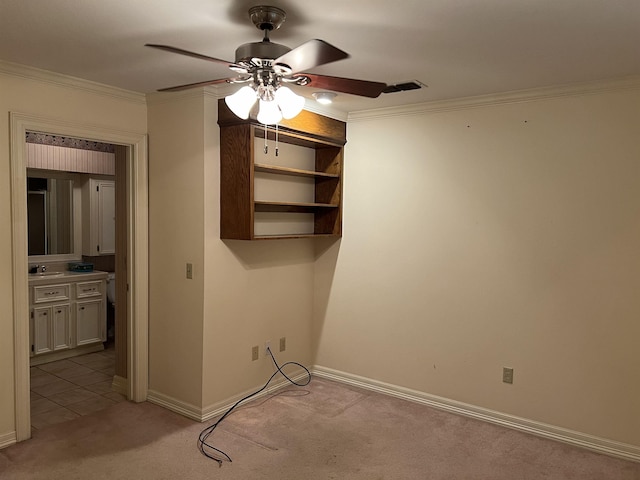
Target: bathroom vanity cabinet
(51,324)
(68,314)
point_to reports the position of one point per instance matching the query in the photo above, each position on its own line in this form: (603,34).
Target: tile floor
(66,389)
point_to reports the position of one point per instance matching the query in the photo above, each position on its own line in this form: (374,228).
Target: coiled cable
(214,453)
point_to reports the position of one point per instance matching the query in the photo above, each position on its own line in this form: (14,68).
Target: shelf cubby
(313,154)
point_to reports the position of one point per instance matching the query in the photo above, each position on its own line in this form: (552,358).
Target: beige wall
(499,235)
(254,292)
(474,238)
(176,215)
(242,294)
(51,98)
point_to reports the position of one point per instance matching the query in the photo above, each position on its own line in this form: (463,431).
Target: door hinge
(32,349)
(97,188)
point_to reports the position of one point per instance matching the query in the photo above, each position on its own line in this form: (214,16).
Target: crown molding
(66,81)
(313,106)
(517,96)
(159,98)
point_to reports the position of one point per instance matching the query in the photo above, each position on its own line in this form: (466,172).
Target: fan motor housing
(266,17)
(265,50)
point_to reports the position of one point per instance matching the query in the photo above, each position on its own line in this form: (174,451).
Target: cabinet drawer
(50,293)
(89,289)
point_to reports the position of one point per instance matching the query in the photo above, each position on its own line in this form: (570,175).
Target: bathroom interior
(71,210)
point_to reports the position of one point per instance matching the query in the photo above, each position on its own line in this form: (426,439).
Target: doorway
(134,276)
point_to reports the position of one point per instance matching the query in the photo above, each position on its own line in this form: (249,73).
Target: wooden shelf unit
(238,205)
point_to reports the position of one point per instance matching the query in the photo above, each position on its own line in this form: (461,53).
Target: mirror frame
(76,255)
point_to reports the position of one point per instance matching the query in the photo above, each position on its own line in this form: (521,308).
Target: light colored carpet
(322,431)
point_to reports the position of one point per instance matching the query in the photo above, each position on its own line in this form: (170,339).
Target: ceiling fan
(266,67)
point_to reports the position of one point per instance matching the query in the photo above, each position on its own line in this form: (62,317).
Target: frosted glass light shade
(324,97)
(242,101)
(290,104)
(269,113)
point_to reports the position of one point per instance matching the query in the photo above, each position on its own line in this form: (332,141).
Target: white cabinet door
(107,217)
(99,217)
(42,339)
(51,330)
(60,327)
(90,320)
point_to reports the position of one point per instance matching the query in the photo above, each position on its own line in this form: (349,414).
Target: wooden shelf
(287,135)
(261,167)
(306,129)
(262,206)
(242,217)
(292,235)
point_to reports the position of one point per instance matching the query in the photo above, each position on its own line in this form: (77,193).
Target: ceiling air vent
(402,87)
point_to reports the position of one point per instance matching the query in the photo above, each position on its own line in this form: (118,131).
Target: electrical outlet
(189,270)
(267,347)
(507,375)
(255,353)
(283,344)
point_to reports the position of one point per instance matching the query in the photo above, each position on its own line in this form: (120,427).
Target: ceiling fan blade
(194,85)
(363,88)
(309,55)
(180,51)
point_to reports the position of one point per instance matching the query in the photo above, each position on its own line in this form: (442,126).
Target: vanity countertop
(66,276)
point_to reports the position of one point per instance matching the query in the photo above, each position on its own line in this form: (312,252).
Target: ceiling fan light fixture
(324,98)
(242,101)
(290,104)
(267,65)
(274,105)
(269,113)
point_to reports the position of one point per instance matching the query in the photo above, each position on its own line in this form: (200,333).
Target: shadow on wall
(272,253)
(326,259)
(317,256)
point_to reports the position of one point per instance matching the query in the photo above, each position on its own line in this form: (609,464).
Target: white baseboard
(183,408)
(597,444)
(219,408)
(7,439)
(207,413)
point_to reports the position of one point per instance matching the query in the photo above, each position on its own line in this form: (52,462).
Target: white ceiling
(458,48)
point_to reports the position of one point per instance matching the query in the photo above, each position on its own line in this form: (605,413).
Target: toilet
(111,304)
(111,288)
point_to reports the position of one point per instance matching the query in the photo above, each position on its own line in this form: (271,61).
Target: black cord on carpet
(214,453)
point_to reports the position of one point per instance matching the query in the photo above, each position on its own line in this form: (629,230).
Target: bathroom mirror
(50,216)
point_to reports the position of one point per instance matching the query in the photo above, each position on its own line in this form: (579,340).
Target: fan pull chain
(276,139)
(266,147)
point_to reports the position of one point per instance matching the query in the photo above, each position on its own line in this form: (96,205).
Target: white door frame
(137,253)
